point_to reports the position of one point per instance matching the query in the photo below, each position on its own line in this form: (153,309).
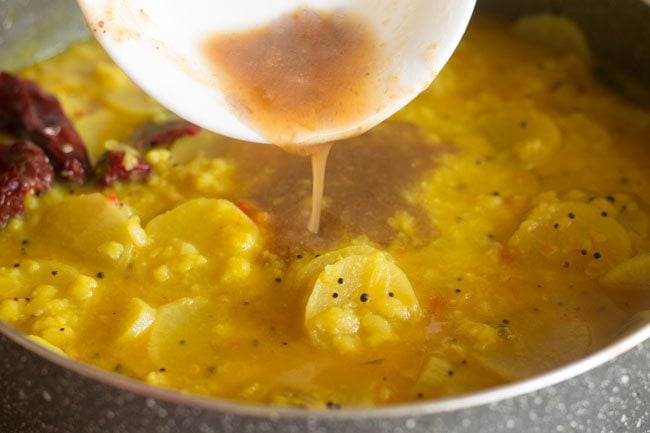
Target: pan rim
(401,410)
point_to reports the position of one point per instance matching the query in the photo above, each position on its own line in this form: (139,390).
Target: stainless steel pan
(608,391)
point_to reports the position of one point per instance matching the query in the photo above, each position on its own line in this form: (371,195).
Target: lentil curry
(495,228)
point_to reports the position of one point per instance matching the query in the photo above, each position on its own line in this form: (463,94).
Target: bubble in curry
(494,229)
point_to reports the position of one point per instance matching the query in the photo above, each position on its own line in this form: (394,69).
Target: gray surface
(35,29)
(37,395)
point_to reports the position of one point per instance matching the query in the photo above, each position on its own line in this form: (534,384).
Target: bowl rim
(617,347)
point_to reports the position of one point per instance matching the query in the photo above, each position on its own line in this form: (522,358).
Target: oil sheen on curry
(494,229)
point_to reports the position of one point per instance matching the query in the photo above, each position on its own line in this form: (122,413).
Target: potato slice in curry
(203,241)
(360,300)
(631,275)
(175,341)
(215,227)
(576,236)
(531,134)
(534,343)
(94,226)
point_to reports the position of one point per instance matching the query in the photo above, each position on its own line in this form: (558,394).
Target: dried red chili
(24,168)
(114,166)
(163,134)
(27,111)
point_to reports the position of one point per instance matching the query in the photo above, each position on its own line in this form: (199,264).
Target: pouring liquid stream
(318,165)
(306,71)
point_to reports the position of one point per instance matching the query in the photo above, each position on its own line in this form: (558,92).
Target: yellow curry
(495,228)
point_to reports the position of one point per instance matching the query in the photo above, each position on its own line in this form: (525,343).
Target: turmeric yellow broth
(495,228)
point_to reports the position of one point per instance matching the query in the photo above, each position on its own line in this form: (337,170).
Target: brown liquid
(361,197)
(305,72)
(318,165)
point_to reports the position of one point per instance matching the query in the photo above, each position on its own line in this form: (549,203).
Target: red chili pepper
(153,135)
(27,111)
(24,168)
(110,169)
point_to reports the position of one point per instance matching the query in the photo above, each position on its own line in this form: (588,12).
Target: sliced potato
(83,224)
(305,275)
(573,235)
(136,318)
(635,222)
(537,341)
(530,134)
(224,229)
(479,335)
(101,126)
(46,344)
(178,335)
(623,207)
(204,242)
(640,320)
(632,274)
(135,104)
(433,373)
(359,300)
(556,32)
